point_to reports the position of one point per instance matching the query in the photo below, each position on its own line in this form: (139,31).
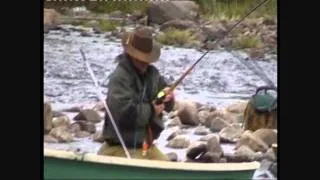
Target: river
(218,80)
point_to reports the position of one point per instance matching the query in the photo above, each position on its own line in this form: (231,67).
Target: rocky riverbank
(178,25)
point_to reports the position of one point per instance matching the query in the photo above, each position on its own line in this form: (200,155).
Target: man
(132,89)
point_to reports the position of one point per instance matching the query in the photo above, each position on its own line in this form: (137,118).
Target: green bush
(245,42)
(229,9)
(174,36)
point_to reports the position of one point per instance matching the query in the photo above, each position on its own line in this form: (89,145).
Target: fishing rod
(255,68)
(162,95)
(105,104)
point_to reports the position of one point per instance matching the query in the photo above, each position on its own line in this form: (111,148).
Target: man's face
(142,66)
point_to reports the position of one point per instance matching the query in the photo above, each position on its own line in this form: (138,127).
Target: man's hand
(158,108)
(169,96)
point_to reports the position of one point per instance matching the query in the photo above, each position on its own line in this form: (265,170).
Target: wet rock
(256,144)
(210,157)
(268,136)
(245,151)
(85,34)
(203,116)
(87,126)
(209,109)
(179,142)
(61,134)
(213,145)
(50,17)
(231,133)
(232,158)
(237,107)
(194,152)
(98,137)
(201,131)
(50,139)
(209,136)
(178,24)
(159,12)
(269,155)
(256,53)
(225,115)
(61,121)
(99,107)
(172,156)
(187,112)
(217,124)
(88,115)
(74,127)
(176,133)
(174,122)
(57,114)
(82,134)
(47,112)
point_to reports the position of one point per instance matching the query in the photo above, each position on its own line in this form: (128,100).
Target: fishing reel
(161,96)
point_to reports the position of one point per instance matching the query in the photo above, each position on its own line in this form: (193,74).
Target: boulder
(255,143)
(50,17)
(179,142)
(74,127)
(237,107)
(209,136)
(217,124)
(61,134)
(61,121)
(99,107)
(187,112)
(246,151)
(213,145)
(87,126)
(88,115)
(47,112)
(268,136)
(172,156)
(203,116)
(231,133)
(159,12)
(201,131)
(176,133)
(49,139)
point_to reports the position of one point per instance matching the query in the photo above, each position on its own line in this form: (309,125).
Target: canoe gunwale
(185,166)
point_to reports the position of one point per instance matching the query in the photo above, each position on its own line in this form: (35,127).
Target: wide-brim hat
(140,45)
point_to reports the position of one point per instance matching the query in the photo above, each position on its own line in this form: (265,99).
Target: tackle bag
(261,110)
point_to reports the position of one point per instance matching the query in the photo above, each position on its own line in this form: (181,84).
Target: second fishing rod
(162,94)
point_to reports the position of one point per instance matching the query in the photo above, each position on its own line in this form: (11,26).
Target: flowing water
(219,79)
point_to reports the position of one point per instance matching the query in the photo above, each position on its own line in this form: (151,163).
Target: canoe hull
(57,168)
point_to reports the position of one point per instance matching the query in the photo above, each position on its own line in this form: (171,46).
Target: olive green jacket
(132,109)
